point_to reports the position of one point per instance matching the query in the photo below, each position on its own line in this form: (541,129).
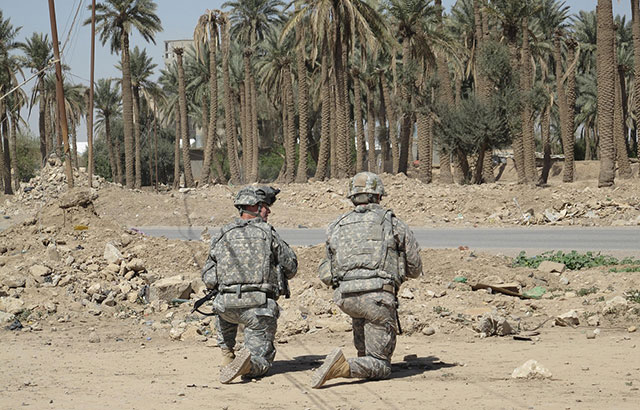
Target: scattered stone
(13,282)
(52,253)
(569,318)
(94,338)
(593,320)
(406,294)
(77,197)
(531,369)
(492,324)
(175,287)
(39,271)
(11,305)
(551,267)
(136,265)
(591,335)
(192,334)
(428,331)
(564,281)
(112,254)
(6,318)
(632,329)
(615,305)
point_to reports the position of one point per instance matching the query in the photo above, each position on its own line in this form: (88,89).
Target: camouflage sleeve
(408,243)
(285,257)
(324,269)
(209,272)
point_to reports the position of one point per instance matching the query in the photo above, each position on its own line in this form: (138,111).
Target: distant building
(169,56)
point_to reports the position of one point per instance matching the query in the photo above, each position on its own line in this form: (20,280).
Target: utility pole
(90,107)
(60,96)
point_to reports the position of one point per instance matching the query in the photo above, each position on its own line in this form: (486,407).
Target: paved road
(619,241)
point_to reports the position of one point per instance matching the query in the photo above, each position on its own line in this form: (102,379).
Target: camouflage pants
(260,325)
(374,332)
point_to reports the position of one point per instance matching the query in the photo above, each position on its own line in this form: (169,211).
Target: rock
(11,305)
(112,254)
(6,318)
(491,324)
(192,334)
(136,265)
(69,260)
(549,267)
(94,338)
(593,320)
(13,282)
(591,335)
(569,318)
(77,197)
(112,267)
(564,280)
(175,287)
(406,294)
(109,300)
(493,279)
(125,239)
(615,305)
(176,333)
(39,271)
(52,253)
(632,329)
(428,331)
(531,369)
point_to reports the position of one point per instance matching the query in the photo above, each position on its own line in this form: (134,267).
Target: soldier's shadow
(297,364)
(411,366)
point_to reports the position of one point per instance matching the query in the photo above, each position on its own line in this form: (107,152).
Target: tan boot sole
(320,376)
(239,366)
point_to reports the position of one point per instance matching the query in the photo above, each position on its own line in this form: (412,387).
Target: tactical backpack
(364,252)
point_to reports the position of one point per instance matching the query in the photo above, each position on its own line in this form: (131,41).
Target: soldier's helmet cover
(254,195)
(365,183)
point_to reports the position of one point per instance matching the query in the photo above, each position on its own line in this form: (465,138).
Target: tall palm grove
(323,89)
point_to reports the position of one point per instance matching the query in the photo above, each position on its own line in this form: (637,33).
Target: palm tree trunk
(5,157)
(112,155)
(393,135)
(184,128)
(247,128)
(119,172)
(545,131)
(635,27)
(230,133)
(624,167)
(325,126)
(406,129)
(357,108)
(303,106)
(290,142)
(425,127)
(213,109)
(42,119)
(342,143)
(334,129)
(255,135)
(176,152)
(127,110)
(606,91)
(569,141)
(136,135)
(371,129)
(48,129)
(13,144)
(529,146)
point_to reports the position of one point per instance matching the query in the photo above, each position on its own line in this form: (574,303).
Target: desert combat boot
(240,366)
(226,357)
(334,366)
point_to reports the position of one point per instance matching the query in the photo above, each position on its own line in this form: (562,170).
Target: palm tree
(606,86)
(251,19)
(229,122)
(184,130)
(115,20)
(635,24)
(8,67)
(206,32)
(107,105)
(38,51)
(303,103)
(343,24)
(142,68)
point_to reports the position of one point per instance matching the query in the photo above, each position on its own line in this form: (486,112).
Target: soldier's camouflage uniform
(244,262)
(370,253)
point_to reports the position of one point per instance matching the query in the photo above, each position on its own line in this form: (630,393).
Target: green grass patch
(573,260)
(587,291)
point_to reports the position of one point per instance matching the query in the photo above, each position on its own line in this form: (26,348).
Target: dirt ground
(95,314)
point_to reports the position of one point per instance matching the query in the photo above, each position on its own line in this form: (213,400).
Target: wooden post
(60,96)
(90,164)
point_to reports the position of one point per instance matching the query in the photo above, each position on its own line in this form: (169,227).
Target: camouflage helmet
(253,195)
(365,183)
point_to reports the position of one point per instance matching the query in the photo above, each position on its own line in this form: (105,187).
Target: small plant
(440,309)
(572,260)
(24,315)
(587,291)
(633,295)
(624,270)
